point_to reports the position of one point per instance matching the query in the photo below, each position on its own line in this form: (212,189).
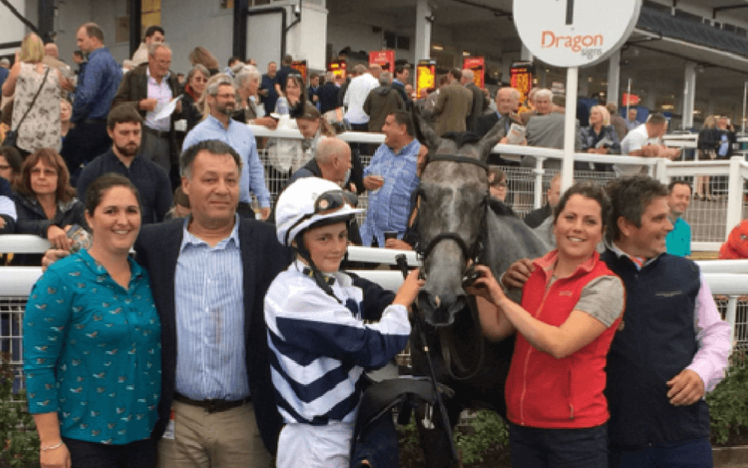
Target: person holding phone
(571,306)
(92,344)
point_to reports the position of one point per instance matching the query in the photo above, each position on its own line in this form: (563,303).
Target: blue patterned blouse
(92,351)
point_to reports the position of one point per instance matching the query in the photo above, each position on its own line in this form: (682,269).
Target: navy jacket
(157,250)
(328,97)
(655,342)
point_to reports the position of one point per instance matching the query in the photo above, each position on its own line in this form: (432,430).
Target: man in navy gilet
(672,346)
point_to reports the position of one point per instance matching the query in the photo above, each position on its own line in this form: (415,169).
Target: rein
(475,253)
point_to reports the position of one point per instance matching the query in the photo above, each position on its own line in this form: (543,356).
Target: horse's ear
(489,141)
(424,133)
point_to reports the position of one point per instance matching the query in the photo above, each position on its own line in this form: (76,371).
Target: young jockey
(320,345)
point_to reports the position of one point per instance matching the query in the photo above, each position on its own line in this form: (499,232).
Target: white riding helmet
(309,201)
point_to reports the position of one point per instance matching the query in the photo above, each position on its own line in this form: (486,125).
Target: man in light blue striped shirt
(216,394)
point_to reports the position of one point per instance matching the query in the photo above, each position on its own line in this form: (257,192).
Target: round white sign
(575,33)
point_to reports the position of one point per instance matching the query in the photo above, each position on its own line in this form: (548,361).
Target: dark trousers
(84,142)
(692,454)
(140,454)
(559,448)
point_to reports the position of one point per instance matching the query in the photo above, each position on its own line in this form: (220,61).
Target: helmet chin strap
(319,278)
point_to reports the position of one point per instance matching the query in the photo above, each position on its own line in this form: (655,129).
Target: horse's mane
(500,208)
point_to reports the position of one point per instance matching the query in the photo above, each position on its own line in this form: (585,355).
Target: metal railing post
(539,172)
(661,172)
(731,314)
(734,195)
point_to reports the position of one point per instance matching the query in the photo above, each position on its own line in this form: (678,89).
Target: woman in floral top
(41,127)
(92,353)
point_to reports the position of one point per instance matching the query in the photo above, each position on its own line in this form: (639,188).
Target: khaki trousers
(229,439)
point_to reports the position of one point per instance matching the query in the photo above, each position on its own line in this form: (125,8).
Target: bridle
(474,252)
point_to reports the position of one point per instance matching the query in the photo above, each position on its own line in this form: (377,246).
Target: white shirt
(162,93)
(634,141)
(356,95)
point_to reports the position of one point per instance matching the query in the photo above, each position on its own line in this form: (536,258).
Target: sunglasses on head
(328,202)
(333,200)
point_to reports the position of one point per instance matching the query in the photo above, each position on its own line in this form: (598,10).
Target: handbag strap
(44,80)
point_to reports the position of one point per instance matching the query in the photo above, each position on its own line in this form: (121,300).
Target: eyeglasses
(47,172)
(200,79)
(499,184)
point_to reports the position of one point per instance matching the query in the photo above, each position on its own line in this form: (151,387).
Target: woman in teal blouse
(92,352)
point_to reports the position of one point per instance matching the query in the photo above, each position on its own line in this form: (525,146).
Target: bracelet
(52,447)
(252,122)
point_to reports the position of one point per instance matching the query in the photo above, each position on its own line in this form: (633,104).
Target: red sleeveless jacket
(550,393)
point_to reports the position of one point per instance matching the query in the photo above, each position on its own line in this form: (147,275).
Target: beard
(131,149)
(226,109)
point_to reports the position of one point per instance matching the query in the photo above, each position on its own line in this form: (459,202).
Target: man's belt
(155,132)
(212,405)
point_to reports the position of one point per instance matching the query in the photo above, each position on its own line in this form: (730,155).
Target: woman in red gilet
(571,307)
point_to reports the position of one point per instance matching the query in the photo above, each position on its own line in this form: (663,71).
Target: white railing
(724,277)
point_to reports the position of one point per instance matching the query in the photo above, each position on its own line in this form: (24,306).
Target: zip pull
(571,414)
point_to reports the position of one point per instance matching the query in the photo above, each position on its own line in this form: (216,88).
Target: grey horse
(454,222)
(458,223)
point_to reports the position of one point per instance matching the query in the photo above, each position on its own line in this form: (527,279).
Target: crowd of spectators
(93,165)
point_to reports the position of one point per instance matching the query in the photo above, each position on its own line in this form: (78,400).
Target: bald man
(52,60)
(332,162)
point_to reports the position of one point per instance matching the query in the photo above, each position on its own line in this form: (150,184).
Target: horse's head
(451,200)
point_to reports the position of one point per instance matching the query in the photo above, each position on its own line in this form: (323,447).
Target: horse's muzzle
(439,311)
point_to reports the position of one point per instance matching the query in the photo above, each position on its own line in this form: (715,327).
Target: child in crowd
(320,345)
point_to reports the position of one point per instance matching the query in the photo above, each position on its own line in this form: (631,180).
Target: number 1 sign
(575,33)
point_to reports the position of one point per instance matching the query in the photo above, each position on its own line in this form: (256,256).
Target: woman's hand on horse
(409,289)
(518,273)
(486,286)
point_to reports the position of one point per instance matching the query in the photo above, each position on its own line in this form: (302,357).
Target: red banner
(425,76)
(383,58)
(300,65)
(478,66)
(338,68)
(630,100)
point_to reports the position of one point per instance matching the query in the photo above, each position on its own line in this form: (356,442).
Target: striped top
(209,300)
(320,347)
